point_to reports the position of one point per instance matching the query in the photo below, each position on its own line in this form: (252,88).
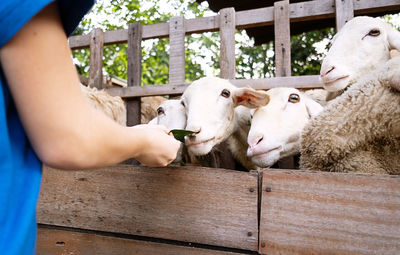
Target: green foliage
(202,50)
(305,58)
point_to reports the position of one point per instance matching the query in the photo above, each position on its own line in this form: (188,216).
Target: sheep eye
(183,103)
(374,32)
(160,111)
(294,98)
(225,93)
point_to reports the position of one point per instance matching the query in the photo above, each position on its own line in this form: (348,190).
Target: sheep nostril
(260,139)
(326,73)
(193,135)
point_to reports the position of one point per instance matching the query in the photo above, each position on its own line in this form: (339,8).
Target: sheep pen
(128,209)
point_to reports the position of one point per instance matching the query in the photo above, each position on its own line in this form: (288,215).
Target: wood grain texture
(304,81)
(96,59)
(61,242)
(308,213)
(282,38)
(190,204)
(227,58)
(176,50)
(133,106)
(310,10)
(344,12)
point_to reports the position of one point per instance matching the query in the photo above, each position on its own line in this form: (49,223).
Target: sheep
(215,109)
(112,106)
(359,131)
(171,114)
(276,127)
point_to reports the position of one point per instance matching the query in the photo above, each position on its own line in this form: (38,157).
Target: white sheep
(172,115)
(215,109)
(112,106)
(276,127)
(359,131)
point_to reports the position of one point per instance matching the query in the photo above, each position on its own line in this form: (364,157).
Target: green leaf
(180,134)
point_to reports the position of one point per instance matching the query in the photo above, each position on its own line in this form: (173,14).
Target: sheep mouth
(265,153)
(329,82)
(200,143)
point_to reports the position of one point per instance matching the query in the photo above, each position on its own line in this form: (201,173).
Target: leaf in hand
(180,134)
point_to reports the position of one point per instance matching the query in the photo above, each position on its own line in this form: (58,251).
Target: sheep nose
(324,72)
(193,135)
(256,141)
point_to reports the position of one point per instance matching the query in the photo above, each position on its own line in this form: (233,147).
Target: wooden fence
(196,210)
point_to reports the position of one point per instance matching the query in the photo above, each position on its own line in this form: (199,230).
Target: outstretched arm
(63,129)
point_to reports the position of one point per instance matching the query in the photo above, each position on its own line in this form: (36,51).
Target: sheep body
(112,106)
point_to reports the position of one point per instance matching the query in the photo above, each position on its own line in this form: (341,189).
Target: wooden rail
(302,212)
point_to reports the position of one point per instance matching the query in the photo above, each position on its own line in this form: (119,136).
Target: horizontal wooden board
(61,242)
(310,213)
(190,204)
(312,10)
(304,81)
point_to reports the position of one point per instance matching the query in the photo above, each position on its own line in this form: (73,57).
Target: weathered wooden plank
(311,10)
(177,50)
(190,204)
(227,48)
(60,242)
(282,38)
(96,59)
(304,81)
(344,12)
(133,106)
(308,213)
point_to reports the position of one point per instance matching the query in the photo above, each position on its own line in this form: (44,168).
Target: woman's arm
(63,129)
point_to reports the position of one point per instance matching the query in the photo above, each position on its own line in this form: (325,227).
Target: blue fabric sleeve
(16,13)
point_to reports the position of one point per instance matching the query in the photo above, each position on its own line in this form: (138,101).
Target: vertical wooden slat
(282,38)
(134,71)
(96,58)
(282,53)
(344,12)
(177,51)
(227,33)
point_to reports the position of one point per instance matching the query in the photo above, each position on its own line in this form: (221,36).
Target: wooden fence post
(344,12)
(282,38)
(282,54)
(134,71)
(177,51)
(227,23)
(96,58)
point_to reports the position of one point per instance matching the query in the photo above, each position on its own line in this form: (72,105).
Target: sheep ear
(250,97)
(313,108)
(394,39)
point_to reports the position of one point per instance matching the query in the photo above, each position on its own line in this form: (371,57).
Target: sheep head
(276,128)
(171,114)
(210,108)
(362,45)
